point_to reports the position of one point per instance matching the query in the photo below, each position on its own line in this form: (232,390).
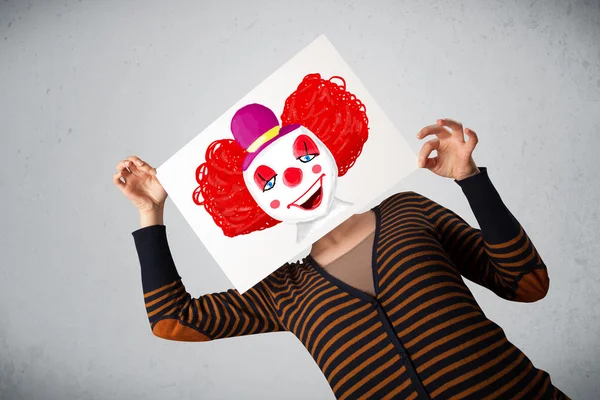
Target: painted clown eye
(307,158)
(305,149)
(269,185)
(265,178)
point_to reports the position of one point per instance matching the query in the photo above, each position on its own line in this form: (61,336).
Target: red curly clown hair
(337,117)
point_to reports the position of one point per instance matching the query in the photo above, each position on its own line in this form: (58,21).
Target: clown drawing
(271,174)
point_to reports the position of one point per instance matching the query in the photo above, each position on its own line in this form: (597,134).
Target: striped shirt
(423,336)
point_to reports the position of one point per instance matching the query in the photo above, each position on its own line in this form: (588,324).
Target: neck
(304,229)
(337,234)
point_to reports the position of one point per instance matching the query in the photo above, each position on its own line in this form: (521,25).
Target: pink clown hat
(254,127)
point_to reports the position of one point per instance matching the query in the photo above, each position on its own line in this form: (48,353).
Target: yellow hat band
(264,138)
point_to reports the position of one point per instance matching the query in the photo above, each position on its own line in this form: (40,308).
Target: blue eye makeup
(307,158)
(270,184)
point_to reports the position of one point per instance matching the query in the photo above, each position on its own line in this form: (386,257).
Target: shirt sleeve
(500,256)
(175,315)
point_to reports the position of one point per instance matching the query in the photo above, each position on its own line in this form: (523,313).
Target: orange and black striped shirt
(423,336)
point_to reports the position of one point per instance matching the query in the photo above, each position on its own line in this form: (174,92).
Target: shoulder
(286,273)
(408,201)
(401,199)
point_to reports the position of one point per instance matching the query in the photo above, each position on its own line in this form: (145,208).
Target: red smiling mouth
(314,200)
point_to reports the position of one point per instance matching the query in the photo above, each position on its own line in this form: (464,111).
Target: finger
(473,139)
(123,164)
(426,150)
(430,163)
(437,130)
(117,180)
(141,166)
(135,170)
(455,126)
(122,168)
(136,160)
(147,168)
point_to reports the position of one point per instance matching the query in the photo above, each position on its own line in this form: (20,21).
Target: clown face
(293,179)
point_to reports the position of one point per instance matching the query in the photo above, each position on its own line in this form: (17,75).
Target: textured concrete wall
(86,83)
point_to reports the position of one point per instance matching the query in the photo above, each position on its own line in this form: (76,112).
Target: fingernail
(140,163)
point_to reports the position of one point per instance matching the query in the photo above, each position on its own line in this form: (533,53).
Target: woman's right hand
(141,186)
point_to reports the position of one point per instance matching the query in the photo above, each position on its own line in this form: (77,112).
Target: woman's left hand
(454,154)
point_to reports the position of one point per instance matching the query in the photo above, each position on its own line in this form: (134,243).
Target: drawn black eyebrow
(305,147)
(260,176)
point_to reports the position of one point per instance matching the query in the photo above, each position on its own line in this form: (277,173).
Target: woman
(380,302)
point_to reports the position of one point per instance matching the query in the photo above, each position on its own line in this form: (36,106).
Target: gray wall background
(84,84)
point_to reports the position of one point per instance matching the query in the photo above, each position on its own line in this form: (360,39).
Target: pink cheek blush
(316,168)
(275,204)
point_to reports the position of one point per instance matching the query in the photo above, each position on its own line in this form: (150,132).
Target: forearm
(509,251)
(156,261)
(497,223)
(500,255)
(507,243)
